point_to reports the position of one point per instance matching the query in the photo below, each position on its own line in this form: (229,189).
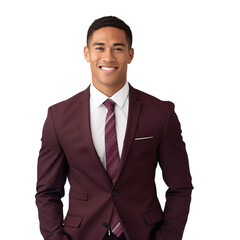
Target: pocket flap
(153,216)
(72,221)
(78,195)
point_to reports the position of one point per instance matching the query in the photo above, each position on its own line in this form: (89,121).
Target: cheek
(93,67)
(124,65)
(124,61)
(93,58)
(94,64)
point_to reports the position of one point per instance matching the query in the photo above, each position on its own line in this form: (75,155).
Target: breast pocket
(143,154)
(146,142)
(144,138)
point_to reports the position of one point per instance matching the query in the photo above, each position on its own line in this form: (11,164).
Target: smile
(108,69)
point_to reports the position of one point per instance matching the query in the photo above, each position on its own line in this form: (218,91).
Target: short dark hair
(110,21)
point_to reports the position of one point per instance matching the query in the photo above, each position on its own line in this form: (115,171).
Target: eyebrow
(119,44)
(103,44)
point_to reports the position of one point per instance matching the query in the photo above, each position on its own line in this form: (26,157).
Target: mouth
(108,69)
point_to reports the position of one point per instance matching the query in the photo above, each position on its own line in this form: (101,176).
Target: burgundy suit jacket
(153,136)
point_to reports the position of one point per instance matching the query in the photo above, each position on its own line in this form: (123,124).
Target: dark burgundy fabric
(153,136)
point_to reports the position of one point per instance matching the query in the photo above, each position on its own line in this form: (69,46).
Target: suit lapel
(133,115)
(85,129)
(84,123)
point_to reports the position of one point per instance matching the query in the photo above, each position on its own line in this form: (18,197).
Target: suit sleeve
(173,161)
(52,172)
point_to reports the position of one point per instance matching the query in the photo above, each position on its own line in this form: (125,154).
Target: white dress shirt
(98,113)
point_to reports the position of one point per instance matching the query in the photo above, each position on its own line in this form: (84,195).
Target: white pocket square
(143,138)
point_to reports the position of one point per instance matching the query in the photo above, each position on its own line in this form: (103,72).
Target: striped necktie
(112,159)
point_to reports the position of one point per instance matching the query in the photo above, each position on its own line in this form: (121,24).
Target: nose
(108,56)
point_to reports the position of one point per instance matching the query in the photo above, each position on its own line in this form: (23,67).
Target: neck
(107,89)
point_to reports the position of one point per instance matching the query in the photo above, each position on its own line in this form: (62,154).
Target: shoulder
(150,101)
(70,103)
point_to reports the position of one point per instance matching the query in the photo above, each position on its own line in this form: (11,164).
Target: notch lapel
(85,130)
(133,115)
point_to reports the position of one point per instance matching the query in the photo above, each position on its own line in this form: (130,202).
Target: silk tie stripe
(112,159)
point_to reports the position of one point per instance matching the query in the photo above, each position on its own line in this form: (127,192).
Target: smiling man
(109,53)
(108,140)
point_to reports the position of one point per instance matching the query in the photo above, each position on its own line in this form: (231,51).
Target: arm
(173,161)
(52,172)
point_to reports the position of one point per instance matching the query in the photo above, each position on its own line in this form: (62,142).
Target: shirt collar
(119,97)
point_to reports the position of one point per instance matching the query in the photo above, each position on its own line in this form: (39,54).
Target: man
(108,140)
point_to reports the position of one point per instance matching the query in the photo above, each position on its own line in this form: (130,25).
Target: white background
(185,51)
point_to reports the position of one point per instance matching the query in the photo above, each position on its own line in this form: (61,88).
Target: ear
(131,55)
(86,53)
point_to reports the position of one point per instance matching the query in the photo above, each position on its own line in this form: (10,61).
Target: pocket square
(143,138)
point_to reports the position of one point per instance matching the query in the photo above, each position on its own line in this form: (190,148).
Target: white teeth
(107,68)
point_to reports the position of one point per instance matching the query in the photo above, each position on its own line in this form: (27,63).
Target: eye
(117,50)
(99,48)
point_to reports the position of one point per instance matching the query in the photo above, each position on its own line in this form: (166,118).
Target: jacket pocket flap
(79,195)
(72,221)
(153,216)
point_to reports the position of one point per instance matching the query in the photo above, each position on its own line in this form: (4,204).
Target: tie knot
(109,104)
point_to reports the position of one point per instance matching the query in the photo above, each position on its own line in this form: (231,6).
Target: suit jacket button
(114,193)
(105,225)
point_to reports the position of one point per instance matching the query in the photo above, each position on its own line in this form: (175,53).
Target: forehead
(108,35)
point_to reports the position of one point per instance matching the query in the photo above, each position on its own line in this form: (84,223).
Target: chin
(112,82)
